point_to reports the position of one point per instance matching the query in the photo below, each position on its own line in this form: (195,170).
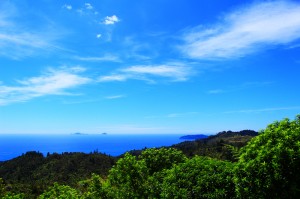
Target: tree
(127,178)
(163,158)
(60,192)
(94,188)
(2,188)
(141,177)
(199,177)
(158,161)
(13,196)
(269,166)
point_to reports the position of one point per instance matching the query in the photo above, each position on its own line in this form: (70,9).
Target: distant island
(193,137)
(78,133)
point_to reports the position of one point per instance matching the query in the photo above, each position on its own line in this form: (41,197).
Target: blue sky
(139,66)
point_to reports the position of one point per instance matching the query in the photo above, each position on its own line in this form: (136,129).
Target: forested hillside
(268,166)
(222,146)
(33,173)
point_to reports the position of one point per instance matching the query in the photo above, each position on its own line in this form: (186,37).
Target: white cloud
(176,115)
(87,10)
(53,82)
(68,7)
(216,91)
(115,97)
(113,77)
(247,30)
(108,57)
(98,36)
(244,86)
(177,73)
(18,45)
(88,6)
(109,20)
(150,72)
(18,41)
(263,110)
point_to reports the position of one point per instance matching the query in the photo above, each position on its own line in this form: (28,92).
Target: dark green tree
(2,188)
(269,166)
(13,196)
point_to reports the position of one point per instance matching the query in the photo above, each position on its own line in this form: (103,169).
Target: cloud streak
(244,86)
(53,82)
(245,31)
(115,97)
(150,73)
(17,42)
(111,58)
(263,110)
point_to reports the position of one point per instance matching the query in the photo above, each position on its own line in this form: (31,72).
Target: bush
(60,192)
(199,177)
(269,166)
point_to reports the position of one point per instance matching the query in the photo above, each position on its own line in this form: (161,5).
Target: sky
(140,66)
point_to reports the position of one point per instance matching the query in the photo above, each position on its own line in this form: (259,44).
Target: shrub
(199,177)
(269,166)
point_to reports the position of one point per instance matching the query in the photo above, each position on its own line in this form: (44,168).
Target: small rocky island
(193,137)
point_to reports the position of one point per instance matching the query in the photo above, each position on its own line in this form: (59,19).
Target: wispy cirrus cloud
(244,86)
(115,97)
(107,57)
(17,45)
(217,91)
(263,110)
(247,30)
(52,82)
(18,41)
(175,115)
(187,114)
(150,73)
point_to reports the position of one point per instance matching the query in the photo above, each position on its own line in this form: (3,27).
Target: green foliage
(163,158)
(217,146)
(60,192)
(7,195)
(158,161)
(32,173)
(128,177)
(2,188)
(140,177)
(199,177)
(269,166)
(94,188)
(13,196)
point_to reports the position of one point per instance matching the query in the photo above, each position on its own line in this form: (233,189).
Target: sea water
(12,146)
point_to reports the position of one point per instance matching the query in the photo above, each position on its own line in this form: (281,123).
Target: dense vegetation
(32,173)
(220,146)
(267,167)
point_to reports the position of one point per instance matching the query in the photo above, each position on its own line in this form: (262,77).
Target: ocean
(12,146)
